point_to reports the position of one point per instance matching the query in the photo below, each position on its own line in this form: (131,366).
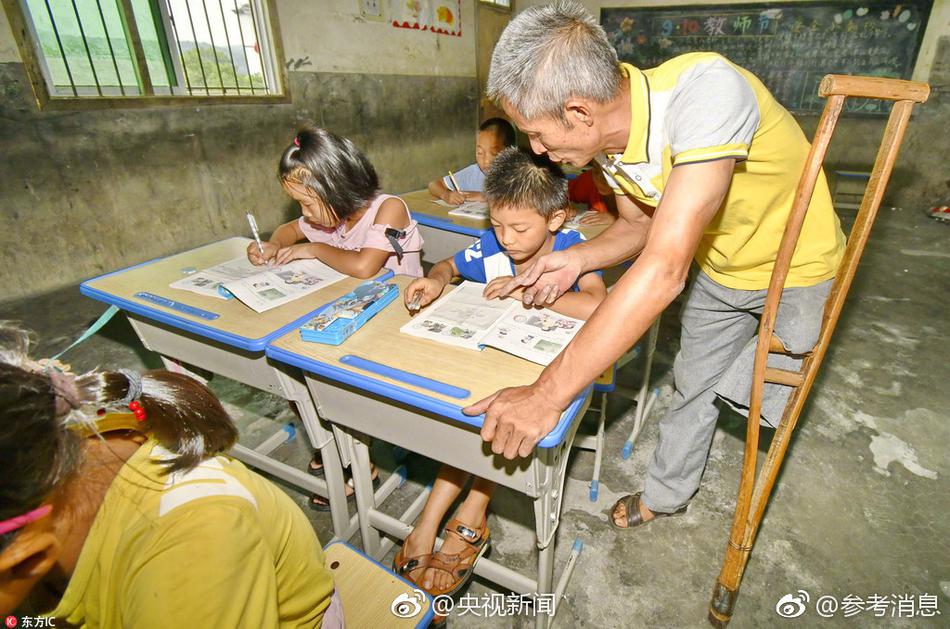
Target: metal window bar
(180,80)
(157,17)
(214,47)
(62,51)
(170,18)
(247,62)
(115,64)
(257,40)
(85,44)
(227,37)
(139,61)
(201,63)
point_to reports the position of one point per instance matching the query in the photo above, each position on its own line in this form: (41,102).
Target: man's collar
(639,138)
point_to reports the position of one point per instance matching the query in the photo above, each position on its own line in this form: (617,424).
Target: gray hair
(520,179)
(551,53)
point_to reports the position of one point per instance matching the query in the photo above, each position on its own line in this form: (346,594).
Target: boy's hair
(39,452)
(500,127)
(332,168)
(519,178)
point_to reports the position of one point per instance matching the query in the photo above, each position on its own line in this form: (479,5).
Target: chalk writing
(790,46)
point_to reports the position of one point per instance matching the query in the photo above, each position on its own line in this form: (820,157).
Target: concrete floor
(861,506)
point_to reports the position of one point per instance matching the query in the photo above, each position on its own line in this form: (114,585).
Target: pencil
(454,182)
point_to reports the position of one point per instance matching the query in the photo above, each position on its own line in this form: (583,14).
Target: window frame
(35,65)
(498,7)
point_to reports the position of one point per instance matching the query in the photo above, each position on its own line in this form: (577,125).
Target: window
(136,51)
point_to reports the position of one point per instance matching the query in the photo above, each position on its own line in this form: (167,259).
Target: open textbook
(261,288)
(469,209)
(466,319)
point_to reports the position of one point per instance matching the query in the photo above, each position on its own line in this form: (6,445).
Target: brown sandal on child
(460,566)
(405,566)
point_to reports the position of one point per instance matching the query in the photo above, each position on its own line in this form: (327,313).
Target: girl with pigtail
(118,508)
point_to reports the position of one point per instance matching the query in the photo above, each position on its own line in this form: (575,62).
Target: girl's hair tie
(297,141)
(138,410)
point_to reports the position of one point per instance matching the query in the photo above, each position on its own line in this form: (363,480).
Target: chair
(754,490)
(371,594)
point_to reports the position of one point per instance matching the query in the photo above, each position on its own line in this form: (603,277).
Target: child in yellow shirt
(148,526)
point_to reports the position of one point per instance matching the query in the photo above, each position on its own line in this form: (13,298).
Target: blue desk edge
(200,329)
(418,400)
(440,223)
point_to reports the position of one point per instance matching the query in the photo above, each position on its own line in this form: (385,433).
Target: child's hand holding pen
(263,254)
(422,292)
(258,252)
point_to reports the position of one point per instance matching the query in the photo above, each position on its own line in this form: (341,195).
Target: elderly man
(704,163)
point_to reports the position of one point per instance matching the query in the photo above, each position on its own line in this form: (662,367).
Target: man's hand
(493,290)
(516,419)
(547,279)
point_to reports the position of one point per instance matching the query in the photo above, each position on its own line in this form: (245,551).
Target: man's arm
(553,274)
(517,418)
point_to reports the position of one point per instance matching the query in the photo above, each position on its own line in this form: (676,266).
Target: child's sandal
(405,566)
(460,566)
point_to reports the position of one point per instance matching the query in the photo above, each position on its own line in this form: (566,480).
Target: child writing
(527,200)
(347,223)
(142,521)
(494,135)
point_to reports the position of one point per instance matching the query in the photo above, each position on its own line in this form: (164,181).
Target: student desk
(229,338)
(409,392)
(444,234)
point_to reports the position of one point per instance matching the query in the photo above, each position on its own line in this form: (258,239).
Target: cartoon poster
(437,16)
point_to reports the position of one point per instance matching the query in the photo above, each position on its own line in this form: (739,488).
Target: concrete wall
(921,177)
(83,193)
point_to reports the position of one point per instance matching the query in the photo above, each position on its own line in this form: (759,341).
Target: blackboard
(788,45)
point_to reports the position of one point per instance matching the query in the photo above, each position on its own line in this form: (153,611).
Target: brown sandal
(405,566)
(460,566)
(631,505)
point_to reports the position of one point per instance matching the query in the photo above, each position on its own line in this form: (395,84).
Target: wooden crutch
(754,492)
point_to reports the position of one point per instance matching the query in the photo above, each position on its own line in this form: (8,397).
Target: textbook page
(466,319)
(206,282)
(532,334)
(282,284)
(460,318)
(471,209)
(259,287)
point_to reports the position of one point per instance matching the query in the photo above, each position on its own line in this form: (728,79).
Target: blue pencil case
(336,321)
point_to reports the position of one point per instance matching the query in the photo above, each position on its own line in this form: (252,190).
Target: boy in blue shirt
(494,135)
(527,200)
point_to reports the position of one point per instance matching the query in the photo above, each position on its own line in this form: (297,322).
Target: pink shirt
(367,234)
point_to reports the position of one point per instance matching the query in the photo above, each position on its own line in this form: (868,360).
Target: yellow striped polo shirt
(700,107)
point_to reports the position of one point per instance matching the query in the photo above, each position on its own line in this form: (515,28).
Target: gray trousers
(717,349)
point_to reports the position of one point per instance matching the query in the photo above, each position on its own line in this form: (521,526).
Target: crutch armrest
(873,87)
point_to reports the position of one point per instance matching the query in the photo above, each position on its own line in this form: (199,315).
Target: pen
(257,236)
(454,182)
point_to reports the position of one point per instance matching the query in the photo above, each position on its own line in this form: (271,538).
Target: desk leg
(295,389)
(640,415)
(365,497)
(547,509)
